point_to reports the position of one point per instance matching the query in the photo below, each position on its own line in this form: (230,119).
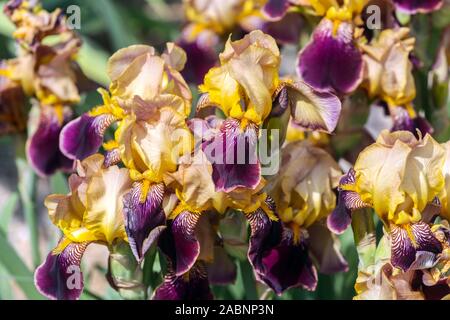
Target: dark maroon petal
(199,60)
(233,155)
(43,146)
(144,221)
(179,242)
(275,9)
(437,291)
(222,270)
(60,277)
(405,251)
(277,261)
(425,239)
(403,122)
(83,136)
(191,286)
(415,6)
(287,30)
(324,248)
(331,62)
(341,217)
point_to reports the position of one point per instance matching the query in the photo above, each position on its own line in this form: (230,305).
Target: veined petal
(191,286)
(43,150)
(339,220)
(233,155)
(179,242)
(409,240)
(331,62)
(144,220)
(60,277)
(277,261)
(83,136)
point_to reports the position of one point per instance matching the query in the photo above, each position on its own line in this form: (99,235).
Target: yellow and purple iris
(282,252)
(332,61)
(91,213)
(246,99)
(150,101)
(400,177)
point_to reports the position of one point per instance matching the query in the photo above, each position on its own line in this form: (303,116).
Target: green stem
(248,281)
(364,233)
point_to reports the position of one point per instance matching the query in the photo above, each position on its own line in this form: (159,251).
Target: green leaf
(93,62)
(16,268)
(7,211)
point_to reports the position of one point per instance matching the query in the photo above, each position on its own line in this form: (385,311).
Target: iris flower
(418,6)
(282,253)
(400,177)
(244,87)
(332,60)
(47,73)
(150,100)
(91,213)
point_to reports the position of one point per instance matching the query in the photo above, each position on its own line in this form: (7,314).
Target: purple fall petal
(200,60)
(285,31)
(331,62)
(43,150)
(402,121)
(233,155)
(275,9)
(191,286)
(179,242)
(144,221)
(404,249)
(416,6)
(341,217)
(59,277)
(83,136)
(277,261)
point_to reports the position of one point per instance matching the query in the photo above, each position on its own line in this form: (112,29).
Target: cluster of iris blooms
(188,179)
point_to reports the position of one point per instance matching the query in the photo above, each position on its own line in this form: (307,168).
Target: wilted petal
(331,62)
(416,6)
(191,286)
(276,259)
(144,220)
(233,155)
(324,246)
(405,244)
(341,217)
(275,9)
(179,242)
(60,277)
(222,270)
(43,150)
(83,136)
